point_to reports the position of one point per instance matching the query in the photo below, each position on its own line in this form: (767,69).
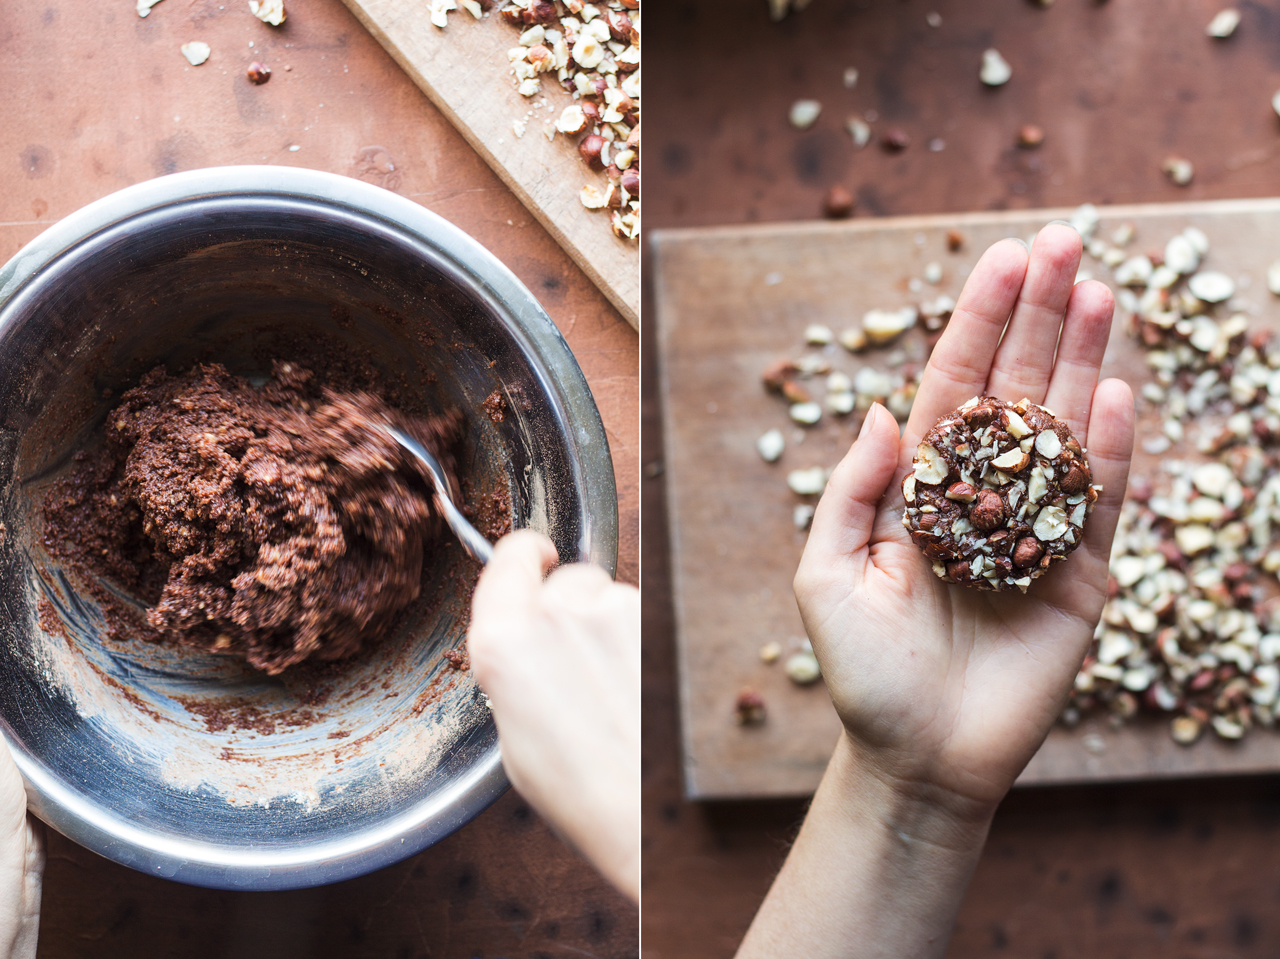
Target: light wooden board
(731,300)
(464,70)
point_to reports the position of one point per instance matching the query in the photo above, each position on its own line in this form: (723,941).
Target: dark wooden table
(96,98)
(1187,870)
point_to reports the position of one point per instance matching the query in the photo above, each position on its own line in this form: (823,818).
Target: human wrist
(909,800)
(878,870)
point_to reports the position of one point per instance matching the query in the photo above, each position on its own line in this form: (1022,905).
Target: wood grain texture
(729,301)
(464,70)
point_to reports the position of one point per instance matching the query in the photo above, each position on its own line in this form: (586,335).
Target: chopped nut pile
(592,50)
(1191,628)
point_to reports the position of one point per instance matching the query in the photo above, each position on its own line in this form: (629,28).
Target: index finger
(961,362)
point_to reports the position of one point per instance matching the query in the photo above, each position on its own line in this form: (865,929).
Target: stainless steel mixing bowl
(124,744)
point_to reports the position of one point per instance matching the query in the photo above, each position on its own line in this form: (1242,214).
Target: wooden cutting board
(463,69)
(731,300)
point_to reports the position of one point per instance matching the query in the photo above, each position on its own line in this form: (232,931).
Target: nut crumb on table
(268,11)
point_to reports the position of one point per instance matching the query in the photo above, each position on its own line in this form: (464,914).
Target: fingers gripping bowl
(189,765)
(998,493)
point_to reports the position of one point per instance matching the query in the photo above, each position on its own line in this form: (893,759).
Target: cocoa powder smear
(278,523)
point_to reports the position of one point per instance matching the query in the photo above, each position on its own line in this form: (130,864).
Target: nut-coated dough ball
(999,493)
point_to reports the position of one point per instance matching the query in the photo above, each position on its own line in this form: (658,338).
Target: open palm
(942,685)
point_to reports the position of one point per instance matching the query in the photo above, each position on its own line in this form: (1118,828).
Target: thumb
(515,572)
(507,590)
(846,514)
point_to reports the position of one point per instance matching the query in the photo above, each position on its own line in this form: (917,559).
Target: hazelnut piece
(630,181)
(930,466)
(795,393)
(258,73)
(573,120)
(590,148)
(540,58)
(838,204)
(777,374)
(1012,460)
(979,416)
(962,492)
(619,26)
(541,11)
(988,511)
(1030,136)
(955,240)
(1027,552)
(1076,480)
(749,707)
(895,139)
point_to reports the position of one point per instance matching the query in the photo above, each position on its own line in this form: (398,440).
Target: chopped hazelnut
(838,204)
(590,148)
(749,708)
(1030,136)
(895,139)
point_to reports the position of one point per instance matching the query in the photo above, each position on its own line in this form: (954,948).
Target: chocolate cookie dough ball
(999,493)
